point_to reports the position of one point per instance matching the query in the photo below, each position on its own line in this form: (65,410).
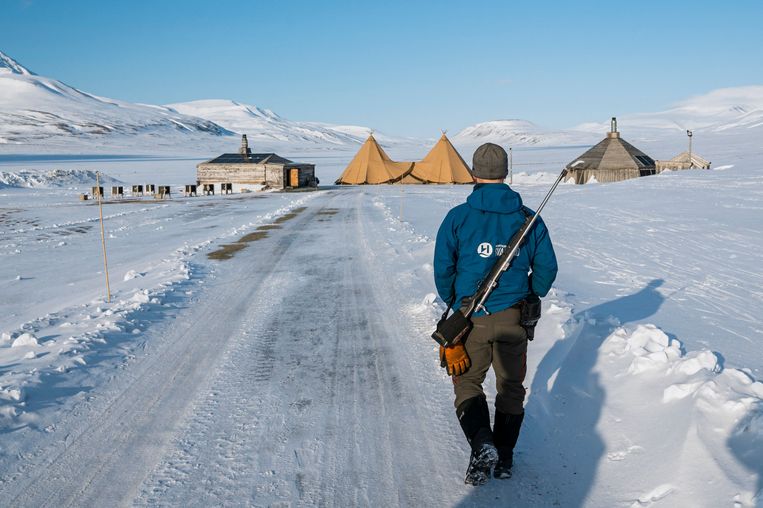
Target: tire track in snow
(338,420)
(128,436)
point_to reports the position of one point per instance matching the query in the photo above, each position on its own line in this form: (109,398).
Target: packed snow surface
(300,370)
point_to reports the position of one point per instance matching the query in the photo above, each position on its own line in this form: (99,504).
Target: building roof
(696,160)
(254,158)
(612,152)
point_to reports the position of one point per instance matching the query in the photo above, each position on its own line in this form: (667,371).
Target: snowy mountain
(62,178)
(46,112)
(721,110)
(51,116)
(725,110)
(261,124)
(46,115)
(518,132)
(9,65)
(264,126)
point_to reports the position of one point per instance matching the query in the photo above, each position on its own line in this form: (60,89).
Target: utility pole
(690,134)
(511,167)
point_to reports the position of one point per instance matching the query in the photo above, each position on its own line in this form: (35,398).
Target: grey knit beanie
(490,162)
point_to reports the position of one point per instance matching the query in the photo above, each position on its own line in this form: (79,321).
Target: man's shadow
(746,444)
(565,404)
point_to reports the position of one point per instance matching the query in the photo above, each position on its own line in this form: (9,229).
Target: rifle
(453,329)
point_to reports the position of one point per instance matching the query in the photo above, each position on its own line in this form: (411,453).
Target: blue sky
(406,68)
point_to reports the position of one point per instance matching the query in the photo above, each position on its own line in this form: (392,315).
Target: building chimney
(613,132)
(244,150)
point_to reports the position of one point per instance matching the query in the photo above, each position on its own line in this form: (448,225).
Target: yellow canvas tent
(442,164)
(372,165)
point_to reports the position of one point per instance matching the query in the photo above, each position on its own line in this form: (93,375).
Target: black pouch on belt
(530,314)
(452,329)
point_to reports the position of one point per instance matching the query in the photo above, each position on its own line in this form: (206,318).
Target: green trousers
(497,340)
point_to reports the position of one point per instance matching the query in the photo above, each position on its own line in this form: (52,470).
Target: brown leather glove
(454,359)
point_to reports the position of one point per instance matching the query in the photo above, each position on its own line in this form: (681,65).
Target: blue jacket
(474,234)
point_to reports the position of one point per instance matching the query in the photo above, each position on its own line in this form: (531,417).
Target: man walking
(470,240)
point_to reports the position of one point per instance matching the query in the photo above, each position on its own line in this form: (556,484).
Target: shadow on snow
(559,446)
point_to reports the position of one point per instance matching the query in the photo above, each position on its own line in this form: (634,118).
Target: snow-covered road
(300,372)
(293,377)
(313,403)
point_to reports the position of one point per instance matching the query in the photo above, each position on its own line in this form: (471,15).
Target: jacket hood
(494,197)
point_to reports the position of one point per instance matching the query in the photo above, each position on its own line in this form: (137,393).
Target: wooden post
(402,196)
(103,237)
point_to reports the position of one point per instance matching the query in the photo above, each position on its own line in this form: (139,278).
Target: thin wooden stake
(103,234)
(402,196)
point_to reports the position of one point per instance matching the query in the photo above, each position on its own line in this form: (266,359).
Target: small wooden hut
(611,160)
(246,169)
(683,161)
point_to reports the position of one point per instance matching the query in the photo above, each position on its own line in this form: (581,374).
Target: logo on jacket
(485,250)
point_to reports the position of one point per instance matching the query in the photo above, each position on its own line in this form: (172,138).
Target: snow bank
(541,177)
(673,419)
(78,332)
(619,411)
(81,332)
(25,339)
(52,178)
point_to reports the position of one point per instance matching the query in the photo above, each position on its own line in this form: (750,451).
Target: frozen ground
(299,372)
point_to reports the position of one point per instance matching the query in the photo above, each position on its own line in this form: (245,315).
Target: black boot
(474,417)
(506,433)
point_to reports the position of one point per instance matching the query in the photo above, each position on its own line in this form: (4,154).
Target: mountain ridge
(8,64)
(45,113)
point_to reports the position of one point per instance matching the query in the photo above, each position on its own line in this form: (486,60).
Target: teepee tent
(611,160)
(372,165)
(442,164)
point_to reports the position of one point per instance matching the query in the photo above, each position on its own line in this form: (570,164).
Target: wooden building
(250,171)
(611,160)
(683,161)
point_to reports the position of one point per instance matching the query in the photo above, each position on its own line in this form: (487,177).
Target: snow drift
(52,178)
